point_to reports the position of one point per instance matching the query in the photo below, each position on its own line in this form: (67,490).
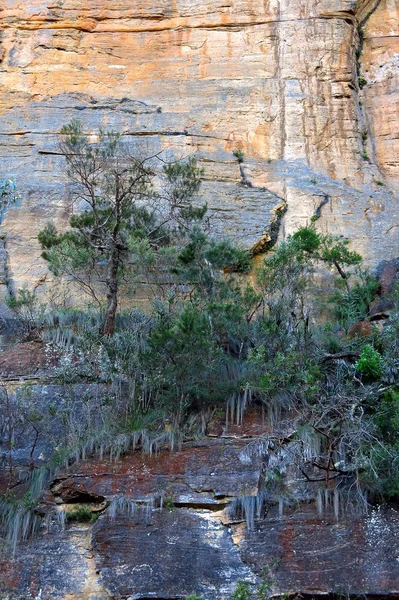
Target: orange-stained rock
(318,557)
(189,545)
(27,359)
(380,68)
(362,329)
(276,78)
(200,474)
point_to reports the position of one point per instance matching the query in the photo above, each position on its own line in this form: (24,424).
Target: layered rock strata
(275,78)
(166,528)
(131,525)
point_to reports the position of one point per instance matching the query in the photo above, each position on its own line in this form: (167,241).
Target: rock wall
(278,79)
(192,541)
(275,78)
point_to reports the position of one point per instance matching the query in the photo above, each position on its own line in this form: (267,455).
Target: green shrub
(239,155)
(387,417)
(370,363)
(353,304)
(26,307)
(384,456)
(169,504)
(241,592)
(307,239)
(81,513)
(385,474)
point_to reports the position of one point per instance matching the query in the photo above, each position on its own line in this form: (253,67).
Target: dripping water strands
(275,410)
(236,406)
(341,502)
(238,403)
(113,445)
(255,508)
(288,453)
(312,442)
(275,459)
(327,500)
(20,518)
(249,508)
(18,521)
(59,517)
(121,505)
(37,479)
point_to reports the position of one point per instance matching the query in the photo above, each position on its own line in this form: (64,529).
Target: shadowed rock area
(166,528)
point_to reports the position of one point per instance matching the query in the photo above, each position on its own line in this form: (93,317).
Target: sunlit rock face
(275,78)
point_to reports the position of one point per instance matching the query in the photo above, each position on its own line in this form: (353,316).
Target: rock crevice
(276,79)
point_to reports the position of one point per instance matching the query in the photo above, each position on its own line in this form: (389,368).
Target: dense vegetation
(212,339)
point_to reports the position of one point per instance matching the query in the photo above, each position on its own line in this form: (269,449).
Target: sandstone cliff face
(167,527)
(276,78)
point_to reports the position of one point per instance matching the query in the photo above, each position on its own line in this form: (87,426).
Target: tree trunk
(108,326)
(343,275)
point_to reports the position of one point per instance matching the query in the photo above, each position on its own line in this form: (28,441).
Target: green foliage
(335,252)
(306,240)
(169,504)
(81,513)
(385,452)
(48,236)
(384,477)
(370,363)
(362,82)
(18,517)
(203,258)
(239,155)
(307,246)
(119,209)
(180,359)
(184,179)
(26,502)
(211,339)
(242,591)
(285,267)
(27,308)
(263,591)
(352,305)
(387,417)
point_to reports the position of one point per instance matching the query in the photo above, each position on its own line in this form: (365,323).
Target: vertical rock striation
(276,78)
